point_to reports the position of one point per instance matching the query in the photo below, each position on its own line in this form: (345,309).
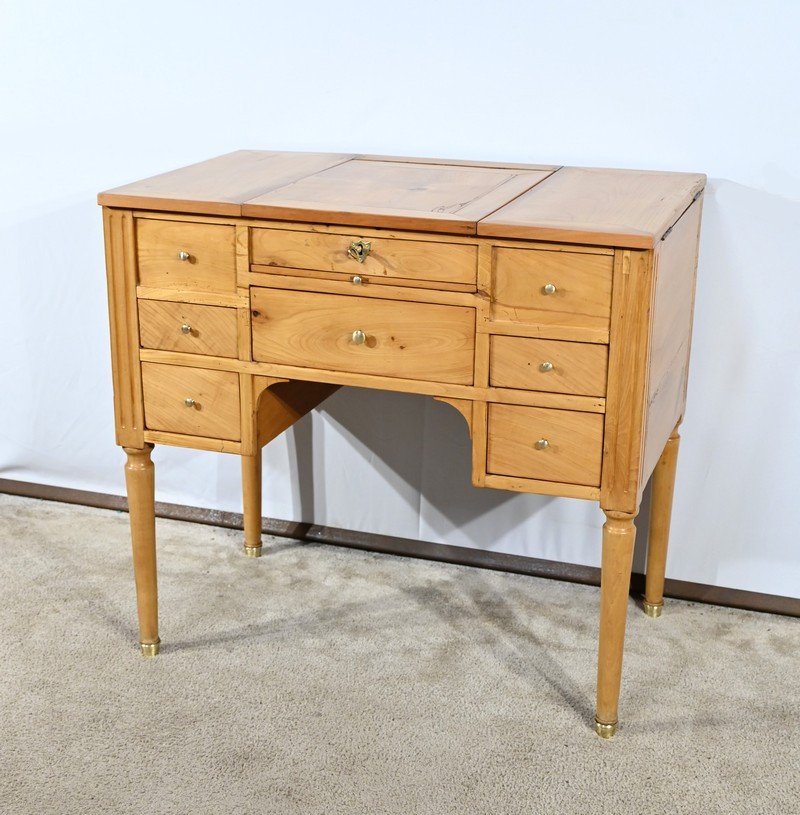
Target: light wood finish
(589,404)
(618,537)
(212,329)
(120,246)
(251,500)
(574,444)
(215,394)
(582,283)
(387,258)
(140,485)
(622,208)
(555,488)
(452,305)
(660,515)
(194,442)
(501,165)
(548,365)
(280,403)
(402,339)
(551,331)
(198,298)
(670,333)
(338,284)
(220,185)
(627,382)
(211,266)
(463,406)
(397,194)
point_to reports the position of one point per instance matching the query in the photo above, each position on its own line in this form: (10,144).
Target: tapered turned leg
(140,483)
(660,513)
(618,536)
(251,500)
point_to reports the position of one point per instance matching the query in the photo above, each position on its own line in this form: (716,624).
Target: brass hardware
(252,551)
(605,731)
(183,255)
(189,402)
(356,280)
(359,337)
(652,609)
(359,250)
(549,288)
(150,649)
(542,444)
(546,367)
(186,329)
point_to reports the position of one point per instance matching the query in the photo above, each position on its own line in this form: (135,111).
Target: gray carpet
(326,680)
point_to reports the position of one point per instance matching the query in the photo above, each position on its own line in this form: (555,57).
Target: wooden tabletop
(629,208)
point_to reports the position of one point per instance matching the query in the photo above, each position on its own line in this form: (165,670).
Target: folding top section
(627,208)
(630,208)
(220,185)
(398,194)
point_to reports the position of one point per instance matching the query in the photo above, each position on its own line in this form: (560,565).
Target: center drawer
(348,333)
(373,259)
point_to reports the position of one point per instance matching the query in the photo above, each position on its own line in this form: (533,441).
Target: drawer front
(538,286)
(548,445)
(397,339)
(388,258)
(215,409)
(193,329)
(188,256)
(548,365)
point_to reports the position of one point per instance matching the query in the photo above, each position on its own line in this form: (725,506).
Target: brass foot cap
(252,551)
(605,731)
(150,649)
(652,609)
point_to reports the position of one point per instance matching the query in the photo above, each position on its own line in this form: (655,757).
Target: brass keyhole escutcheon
(358,250)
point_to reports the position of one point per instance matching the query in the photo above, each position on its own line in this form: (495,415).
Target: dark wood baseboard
(482,559)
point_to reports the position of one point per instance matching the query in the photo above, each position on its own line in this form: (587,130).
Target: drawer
(564,288)
(367,336)
(193,329)
(188,256)
(388,259)
(214,411)
(548,445)
(548,365)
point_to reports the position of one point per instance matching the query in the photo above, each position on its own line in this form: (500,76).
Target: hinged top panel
(625,208)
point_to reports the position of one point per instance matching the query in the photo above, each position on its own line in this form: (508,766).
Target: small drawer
(193,329)
(191,401)
(187,256)
(381,259)
(548,365)
(364,335)
(545,444)
(549,287)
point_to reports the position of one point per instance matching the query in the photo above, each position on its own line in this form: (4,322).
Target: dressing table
(550,306)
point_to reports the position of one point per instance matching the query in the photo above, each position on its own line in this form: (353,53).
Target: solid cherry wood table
(551,306)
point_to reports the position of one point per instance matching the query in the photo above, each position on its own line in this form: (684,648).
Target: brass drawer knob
(359,250)
(546,367)
(183,255)
(359,337)
(542,444)
(356,280)
(549,288)
(189,402)
(186,329)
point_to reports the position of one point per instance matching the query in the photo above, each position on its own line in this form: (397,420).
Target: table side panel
(671,332)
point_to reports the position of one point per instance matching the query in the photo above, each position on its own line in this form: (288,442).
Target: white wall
(95,94)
